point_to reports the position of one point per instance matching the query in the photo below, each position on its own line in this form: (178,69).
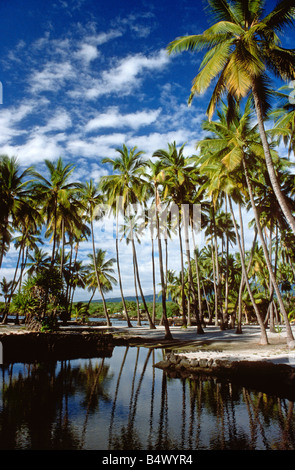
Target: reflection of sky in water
(145,409)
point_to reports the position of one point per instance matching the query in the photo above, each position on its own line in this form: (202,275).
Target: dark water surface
(123,402)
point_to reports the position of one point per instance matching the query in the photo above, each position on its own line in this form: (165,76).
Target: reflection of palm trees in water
(161,413)
(128,438)
(92,395)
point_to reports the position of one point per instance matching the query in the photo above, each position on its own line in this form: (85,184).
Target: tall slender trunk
(119,272)
(150,221)
(136,294)
(214,284)
(62,246)
(71,286)
(182,275)
(243,283)
(264,339)
(68,294)
(198,277)
(104,304)
(218,302)
(226,273)
(54,235)
(90,300)
(290,338)
(269,163)
(271,289)
(168,334)
(190,275)
(152,326)
(154,282)
(208,305)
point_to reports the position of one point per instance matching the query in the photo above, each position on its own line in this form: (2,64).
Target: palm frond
(282,15)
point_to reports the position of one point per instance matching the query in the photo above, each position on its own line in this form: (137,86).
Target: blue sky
(80,78)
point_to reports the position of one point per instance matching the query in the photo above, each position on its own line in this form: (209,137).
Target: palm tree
(241,46)
(155,177)
(236,144)
(93,201)
(6,287)
(56,196)
(37,261)
(100,272)
(173,164)
(122,188)
(130,230)
(15,189)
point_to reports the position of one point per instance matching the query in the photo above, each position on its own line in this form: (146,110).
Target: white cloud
(100,146)
(113,118)
(87,53)
(53,76)
(126,74)
(60,121)
(11,121)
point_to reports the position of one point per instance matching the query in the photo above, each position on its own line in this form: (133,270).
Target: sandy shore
(213,343)
(218,344)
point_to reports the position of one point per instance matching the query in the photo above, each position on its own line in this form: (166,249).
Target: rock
(184,362)
(203,363)
(194,362)
(163,364)
(173,358)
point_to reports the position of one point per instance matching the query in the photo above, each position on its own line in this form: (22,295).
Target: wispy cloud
(114,119)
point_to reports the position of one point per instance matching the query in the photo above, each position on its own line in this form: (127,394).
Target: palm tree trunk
(269,163)
(62,246)
(190,275)
(214,285)
(264,339)
(154,282)
(243,283)
(119,277)
(168,334)
(271,288)
(90,300)
(218,281)
(104,305)
(71,285)
(152,326)
(136,294)
(226,273)
(182,275)
(290,338)
(198,276)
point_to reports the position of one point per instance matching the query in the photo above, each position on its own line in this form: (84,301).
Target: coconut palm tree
(236,144)
(123,188)
(37,261)
(15,189)
(93,202)
(240,48)
(131,231)
(56,195)
(101,271)
(155,177)
(173,164)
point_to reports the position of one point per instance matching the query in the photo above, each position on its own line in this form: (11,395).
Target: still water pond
(123,402)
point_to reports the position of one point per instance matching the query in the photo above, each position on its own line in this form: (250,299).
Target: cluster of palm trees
(236,168)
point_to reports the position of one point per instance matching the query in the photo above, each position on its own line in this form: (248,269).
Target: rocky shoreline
(217,354)
(262,374)
(36,346)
